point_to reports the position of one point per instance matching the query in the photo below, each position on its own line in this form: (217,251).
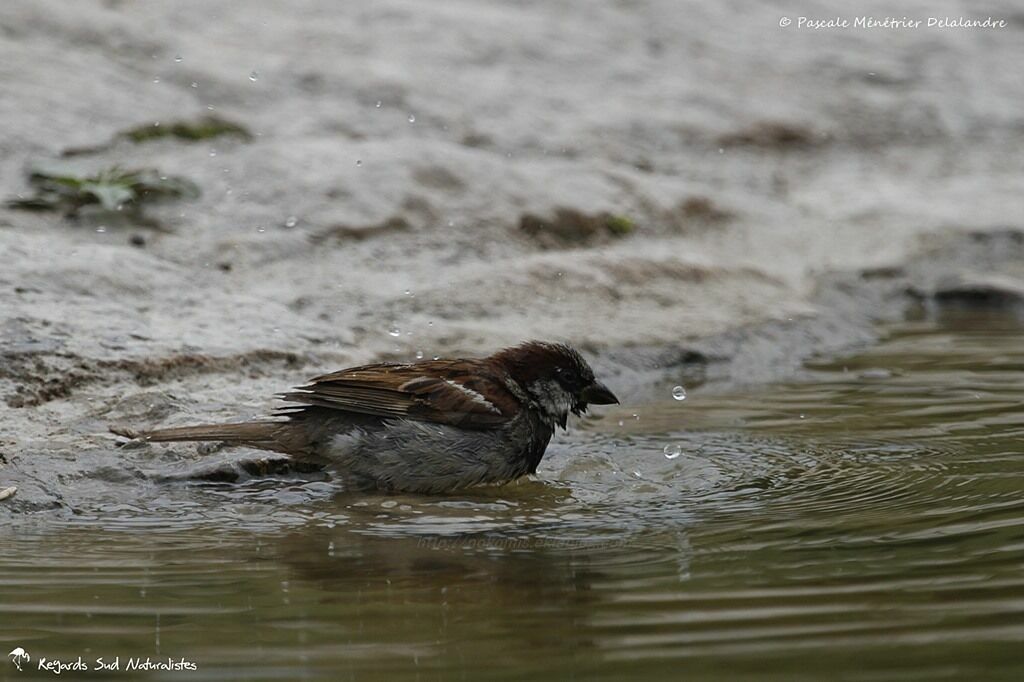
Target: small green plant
(200,129)
(64,187)
(619,225)
(569,228)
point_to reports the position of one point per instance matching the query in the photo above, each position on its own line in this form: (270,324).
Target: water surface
(864,523)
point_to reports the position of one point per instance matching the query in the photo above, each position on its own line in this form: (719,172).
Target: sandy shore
(642,179)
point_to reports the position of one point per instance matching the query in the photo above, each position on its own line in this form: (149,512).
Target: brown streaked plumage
(439,391)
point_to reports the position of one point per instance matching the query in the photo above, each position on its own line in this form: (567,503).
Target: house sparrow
(425,427)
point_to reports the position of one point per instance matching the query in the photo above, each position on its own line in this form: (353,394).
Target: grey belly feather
(422,457)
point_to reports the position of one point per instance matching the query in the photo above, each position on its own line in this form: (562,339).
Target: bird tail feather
(256,433)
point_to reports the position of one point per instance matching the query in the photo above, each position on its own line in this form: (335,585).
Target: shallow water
(864,523)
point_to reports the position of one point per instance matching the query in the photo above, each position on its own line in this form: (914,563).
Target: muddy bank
(667,186)
(80,464)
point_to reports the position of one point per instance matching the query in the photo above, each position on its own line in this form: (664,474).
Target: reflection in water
(867,523)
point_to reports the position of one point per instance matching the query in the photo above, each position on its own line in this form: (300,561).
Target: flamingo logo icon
(19,656)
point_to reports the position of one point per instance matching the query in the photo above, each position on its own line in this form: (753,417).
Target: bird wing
(456,392)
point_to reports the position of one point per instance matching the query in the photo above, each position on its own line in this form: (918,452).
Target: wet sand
(676,188)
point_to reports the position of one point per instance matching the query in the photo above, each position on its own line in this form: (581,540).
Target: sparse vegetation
(569,227)
(67,188)
(200,129)
(203,128)
(619,225)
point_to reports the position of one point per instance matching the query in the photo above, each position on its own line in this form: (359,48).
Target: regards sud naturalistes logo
(22,661)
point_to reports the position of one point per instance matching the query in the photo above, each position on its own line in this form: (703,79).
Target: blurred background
(680,168)
(209,201)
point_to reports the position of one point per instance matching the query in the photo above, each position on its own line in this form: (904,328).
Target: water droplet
(261,230)
(156,124)
(408,292)
(254,75)
(195,84)
(721,150)
(213,152)
(430,323)
(101,229)
(378,104)
(156,79)
(620,422)
(209,107)
(291,221)
(679,393)
(359,162)
(419,355)
(802,416)
(394,331)
(412,118)
(177,59)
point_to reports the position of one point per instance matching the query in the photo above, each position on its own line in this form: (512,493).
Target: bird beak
(598,394)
